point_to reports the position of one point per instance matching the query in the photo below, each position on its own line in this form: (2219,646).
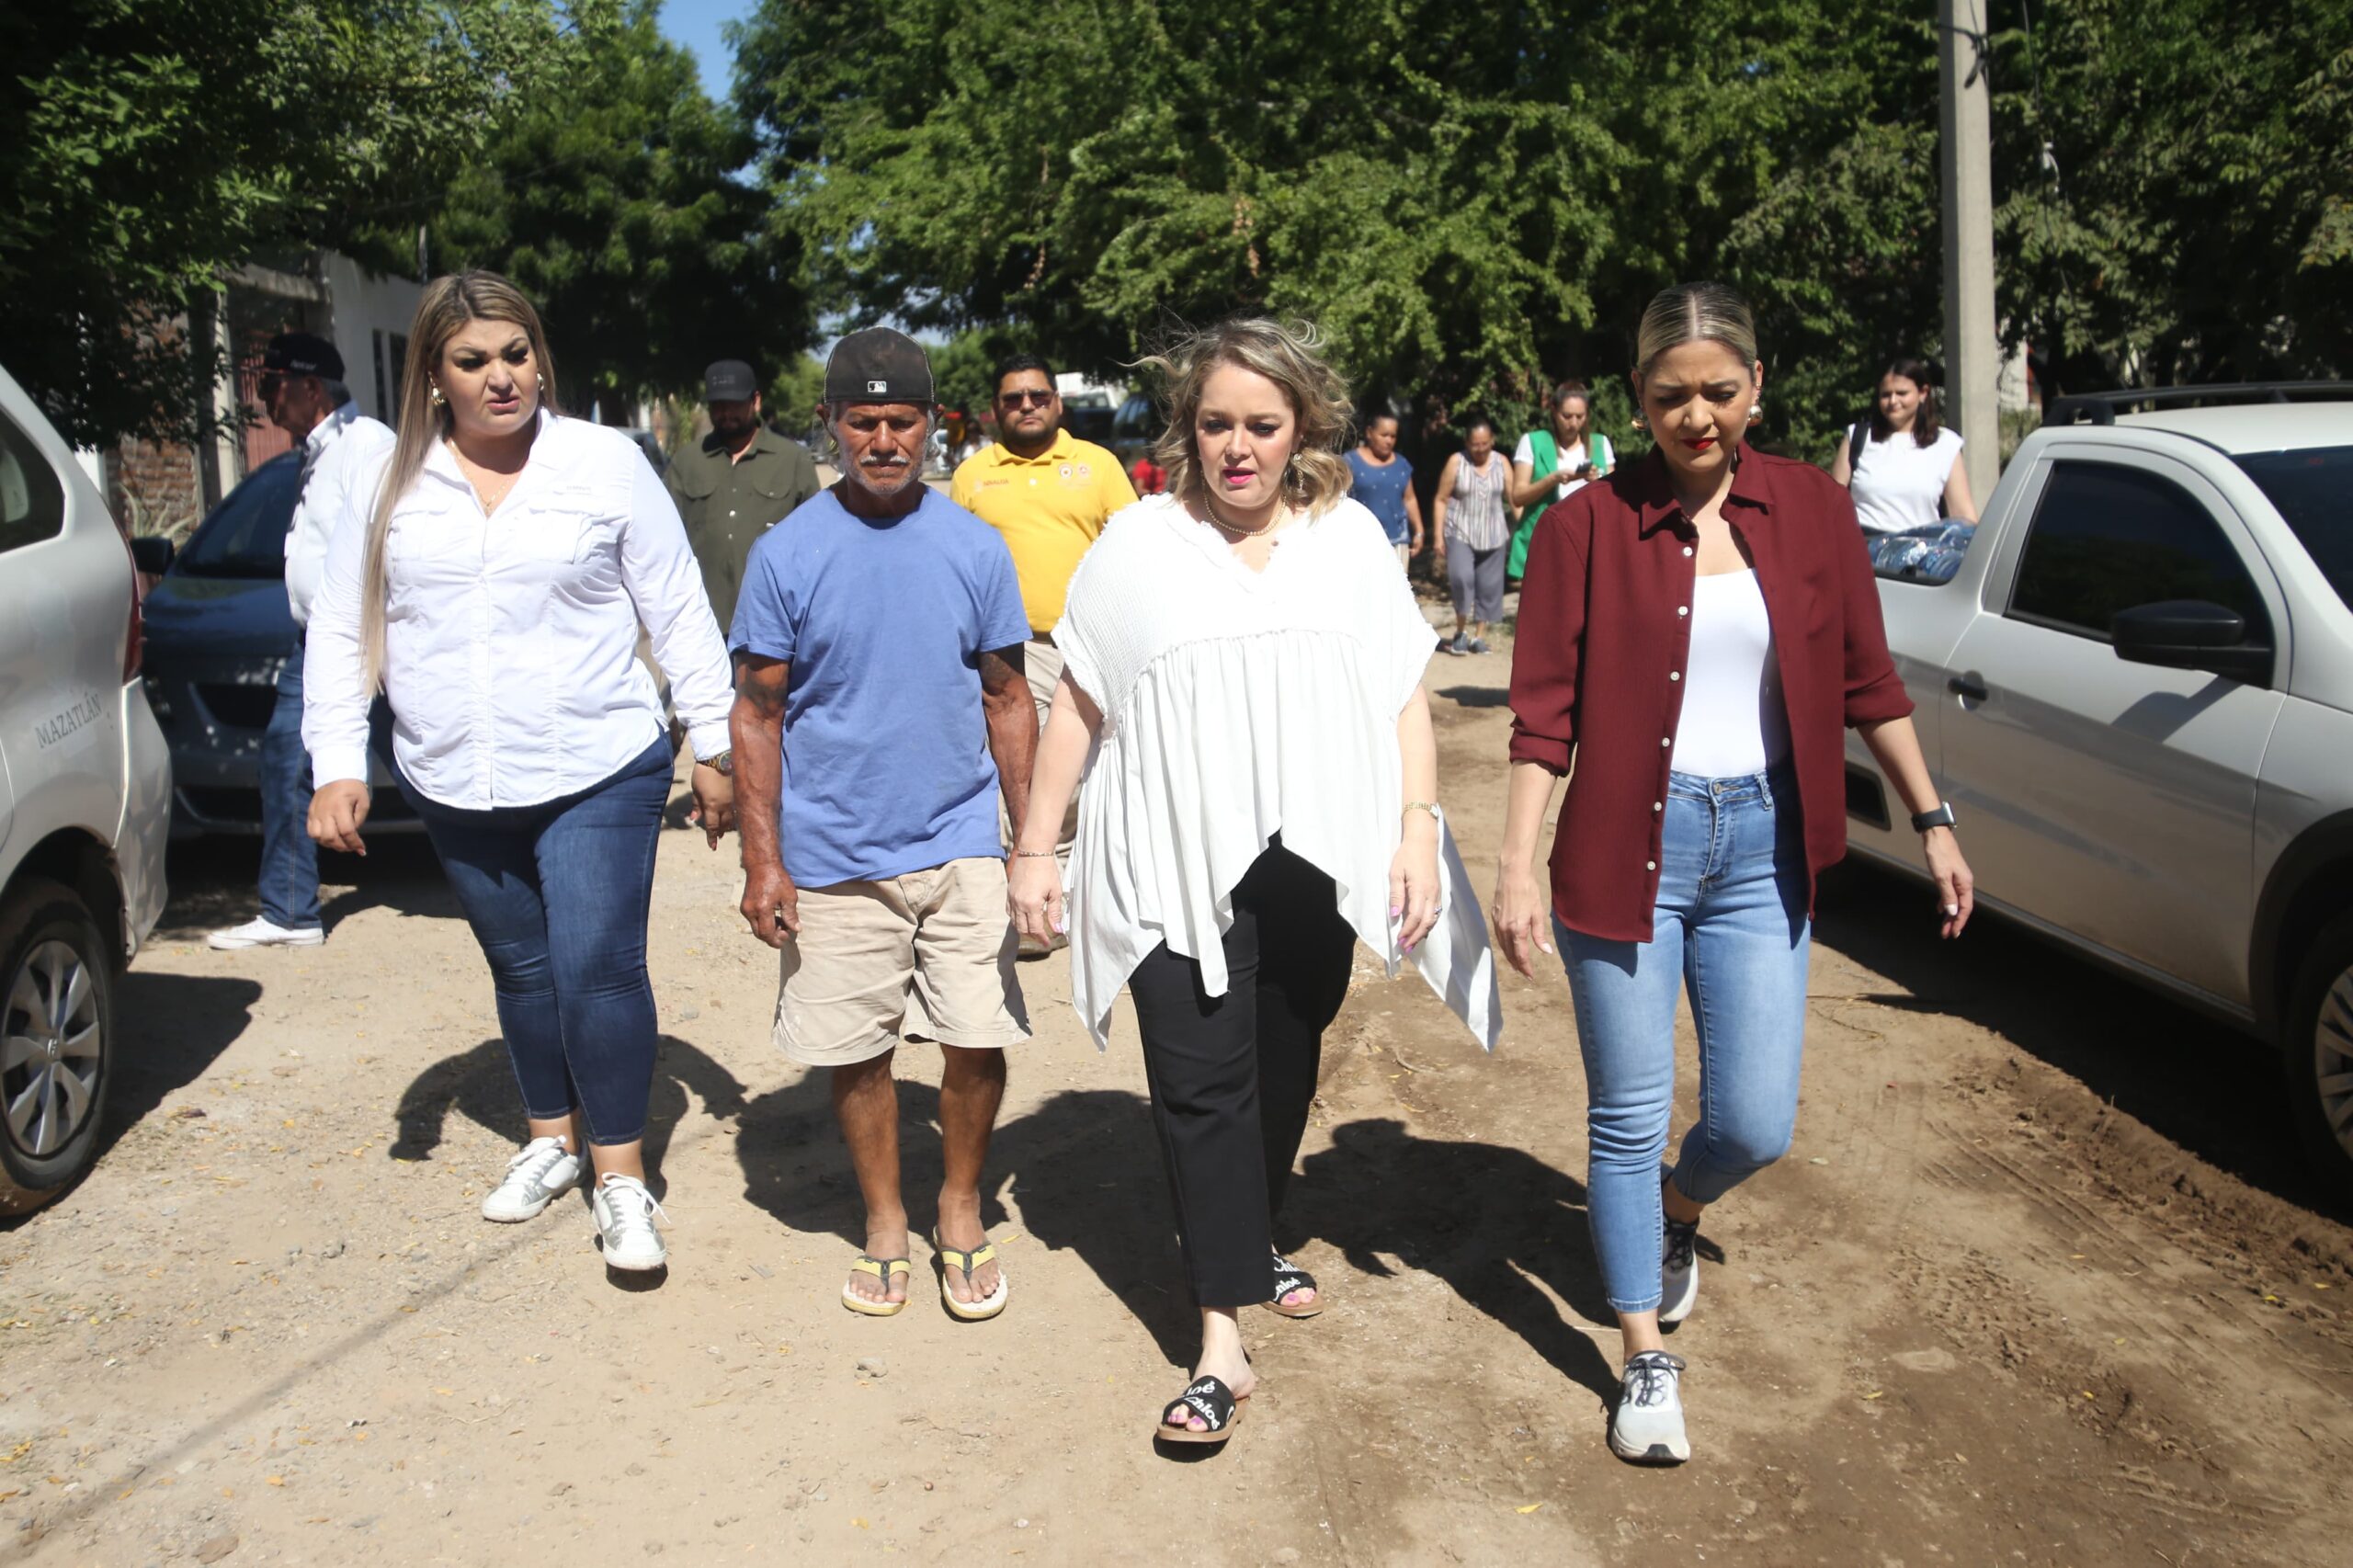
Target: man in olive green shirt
(737,485)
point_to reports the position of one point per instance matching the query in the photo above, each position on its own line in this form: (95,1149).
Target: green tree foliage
(1471,200)
(2194,219)
(150,144)
(612,202)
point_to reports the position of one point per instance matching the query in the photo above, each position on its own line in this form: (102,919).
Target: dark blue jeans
(558,896)
(290,859)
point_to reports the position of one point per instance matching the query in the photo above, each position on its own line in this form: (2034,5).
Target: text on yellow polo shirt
(1048,507)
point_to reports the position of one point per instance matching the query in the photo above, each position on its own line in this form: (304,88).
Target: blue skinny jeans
(558,895)
(289,858)
(1730,926)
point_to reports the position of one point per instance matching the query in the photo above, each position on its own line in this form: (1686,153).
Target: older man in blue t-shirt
(879,710)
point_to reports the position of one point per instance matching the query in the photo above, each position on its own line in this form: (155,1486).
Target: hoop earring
(1757,413)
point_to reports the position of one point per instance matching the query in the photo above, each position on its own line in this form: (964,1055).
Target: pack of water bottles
(1922,555)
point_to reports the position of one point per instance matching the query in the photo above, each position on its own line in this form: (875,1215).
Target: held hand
(1033,895)
(336,813)
(714,807)
(1413,883)
(1521,919)
(1956,888)
(771,904)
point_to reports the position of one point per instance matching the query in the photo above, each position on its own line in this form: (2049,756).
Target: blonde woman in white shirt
(494,589)
(1242,688)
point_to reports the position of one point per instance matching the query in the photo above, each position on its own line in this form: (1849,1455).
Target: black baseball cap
(730,380)
(878,364)
(302,354)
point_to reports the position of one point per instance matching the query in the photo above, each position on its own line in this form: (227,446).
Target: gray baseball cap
(730,380)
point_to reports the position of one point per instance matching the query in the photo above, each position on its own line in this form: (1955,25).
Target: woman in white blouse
(493,588)
(1242,688)
(1903,464)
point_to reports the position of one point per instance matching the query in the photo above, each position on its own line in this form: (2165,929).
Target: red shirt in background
(1604,637)
(1150,477)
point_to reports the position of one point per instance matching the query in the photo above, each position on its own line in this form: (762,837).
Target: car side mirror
(152,554)
(2190,634)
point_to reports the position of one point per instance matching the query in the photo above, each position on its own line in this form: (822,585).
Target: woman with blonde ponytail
(494,589)
(1242,689)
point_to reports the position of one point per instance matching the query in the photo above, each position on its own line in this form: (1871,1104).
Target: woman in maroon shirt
(1695,633)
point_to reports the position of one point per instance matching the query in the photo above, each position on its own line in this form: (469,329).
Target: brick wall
(154,488)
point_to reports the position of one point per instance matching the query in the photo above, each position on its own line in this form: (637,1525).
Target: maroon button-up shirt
(1604,638)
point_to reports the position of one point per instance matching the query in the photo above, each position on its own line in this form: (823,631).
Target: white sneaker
(1648,1426)
(1678,1275)
(625,1217)
(259,932)
(544,1168)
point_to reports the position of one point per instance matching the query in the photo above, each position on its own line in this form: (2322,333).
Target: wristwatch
(724,764)
(1941,817)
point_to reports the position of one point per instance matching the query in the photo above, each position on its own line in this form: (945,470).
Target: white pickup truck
(2135,685)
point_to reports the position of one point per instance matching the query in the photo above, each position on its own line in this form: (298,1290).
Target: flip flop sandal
(1211,1401)
(884,1269)
(1290,1276)
(965,1263)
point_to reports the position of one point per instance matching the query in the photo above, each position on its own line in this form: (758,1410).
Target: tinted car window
(2309,488)
(245,535)
(32,504)
(2106,538)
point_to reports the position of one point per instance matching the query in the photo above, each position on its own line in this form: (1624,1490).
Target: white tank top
(1732,723)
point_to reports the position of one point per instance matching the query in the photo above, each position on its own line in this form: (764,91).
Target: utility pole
(1965,158)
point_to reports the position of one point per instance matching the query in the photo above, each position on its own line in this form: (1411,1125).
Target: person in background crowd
(495,583)
(1383,483)
(1696,635)
(1902,465)
(302,390)
(739,482)
(1147,476)
(1473,534)
(1554,464)
(1242,693)
(1049,494)
(879,709)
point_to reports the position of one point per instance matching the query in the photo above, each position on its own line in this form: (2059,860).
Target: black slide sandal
(1290,1276)
(1211,1401)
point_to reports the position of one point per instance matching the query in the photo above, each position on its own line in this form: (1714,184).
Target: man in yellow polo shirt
(1049,494)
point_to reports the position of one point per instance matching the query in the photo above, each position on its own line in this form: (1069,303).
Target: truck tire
(2318,1057)
(56,1041)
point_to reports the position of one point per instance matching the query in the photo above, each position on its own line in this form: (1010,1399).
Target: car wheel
(56,1041)
(2319,1056)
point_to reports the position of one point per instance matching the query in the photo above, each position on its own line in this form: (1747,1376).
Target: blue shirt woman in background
(1383,481)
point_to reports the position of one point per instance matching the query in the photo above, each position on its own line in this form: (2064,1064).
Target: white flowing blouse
(1236,704)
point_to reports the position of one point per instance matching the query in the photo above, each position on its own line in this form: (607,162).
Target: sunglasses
(1025,398)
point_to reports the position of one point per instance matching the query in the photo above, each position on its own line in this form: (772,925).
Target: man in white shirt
(302,390)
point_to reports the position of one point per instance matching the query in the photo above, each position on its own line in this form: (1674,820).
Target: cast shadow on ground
(1491,1222)
(168,1030)
(480,1085)
(2199,1083)
(212,883)
(1475,696)
(1082,1168)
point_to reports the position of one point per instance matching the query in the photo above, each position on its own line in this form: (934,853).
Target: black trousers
(1233,1075)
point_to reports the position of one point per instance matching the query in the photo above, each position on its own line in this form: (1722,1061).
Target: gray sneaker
(1678,1275)
(533,1178)
(1474,645)
(1457,644)
(1648,1426)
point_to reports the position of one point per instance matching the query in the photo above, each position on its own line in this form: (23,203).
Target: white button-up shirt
(338,455)
(510,640)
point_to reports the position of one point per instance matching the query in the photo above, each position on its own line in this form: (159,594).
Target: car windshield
(2309,488)
(245,535)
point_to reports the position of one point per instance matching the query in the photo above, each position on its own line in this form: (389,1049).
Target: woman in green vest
(1552,465)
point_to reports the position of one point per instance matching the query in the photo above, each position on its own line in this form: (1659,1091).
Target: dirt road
(2038,1284)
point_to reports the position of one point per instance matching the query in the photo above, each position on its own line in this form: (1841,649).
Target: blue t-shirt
(886,761)
(1382,490)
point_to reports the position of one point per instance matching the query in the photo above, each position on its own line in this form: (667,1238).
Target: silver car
(2136,688)
(85,804)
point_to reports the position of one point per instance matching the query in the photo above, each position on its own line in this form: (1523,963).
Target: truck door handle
(1970,686)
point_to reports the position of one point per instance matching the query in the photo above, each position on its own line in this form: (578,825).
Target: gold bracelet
(1033,853)
(1429,806)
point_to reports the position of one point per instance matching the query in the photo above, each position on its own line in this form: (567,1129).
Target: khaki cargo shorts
(925,956)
